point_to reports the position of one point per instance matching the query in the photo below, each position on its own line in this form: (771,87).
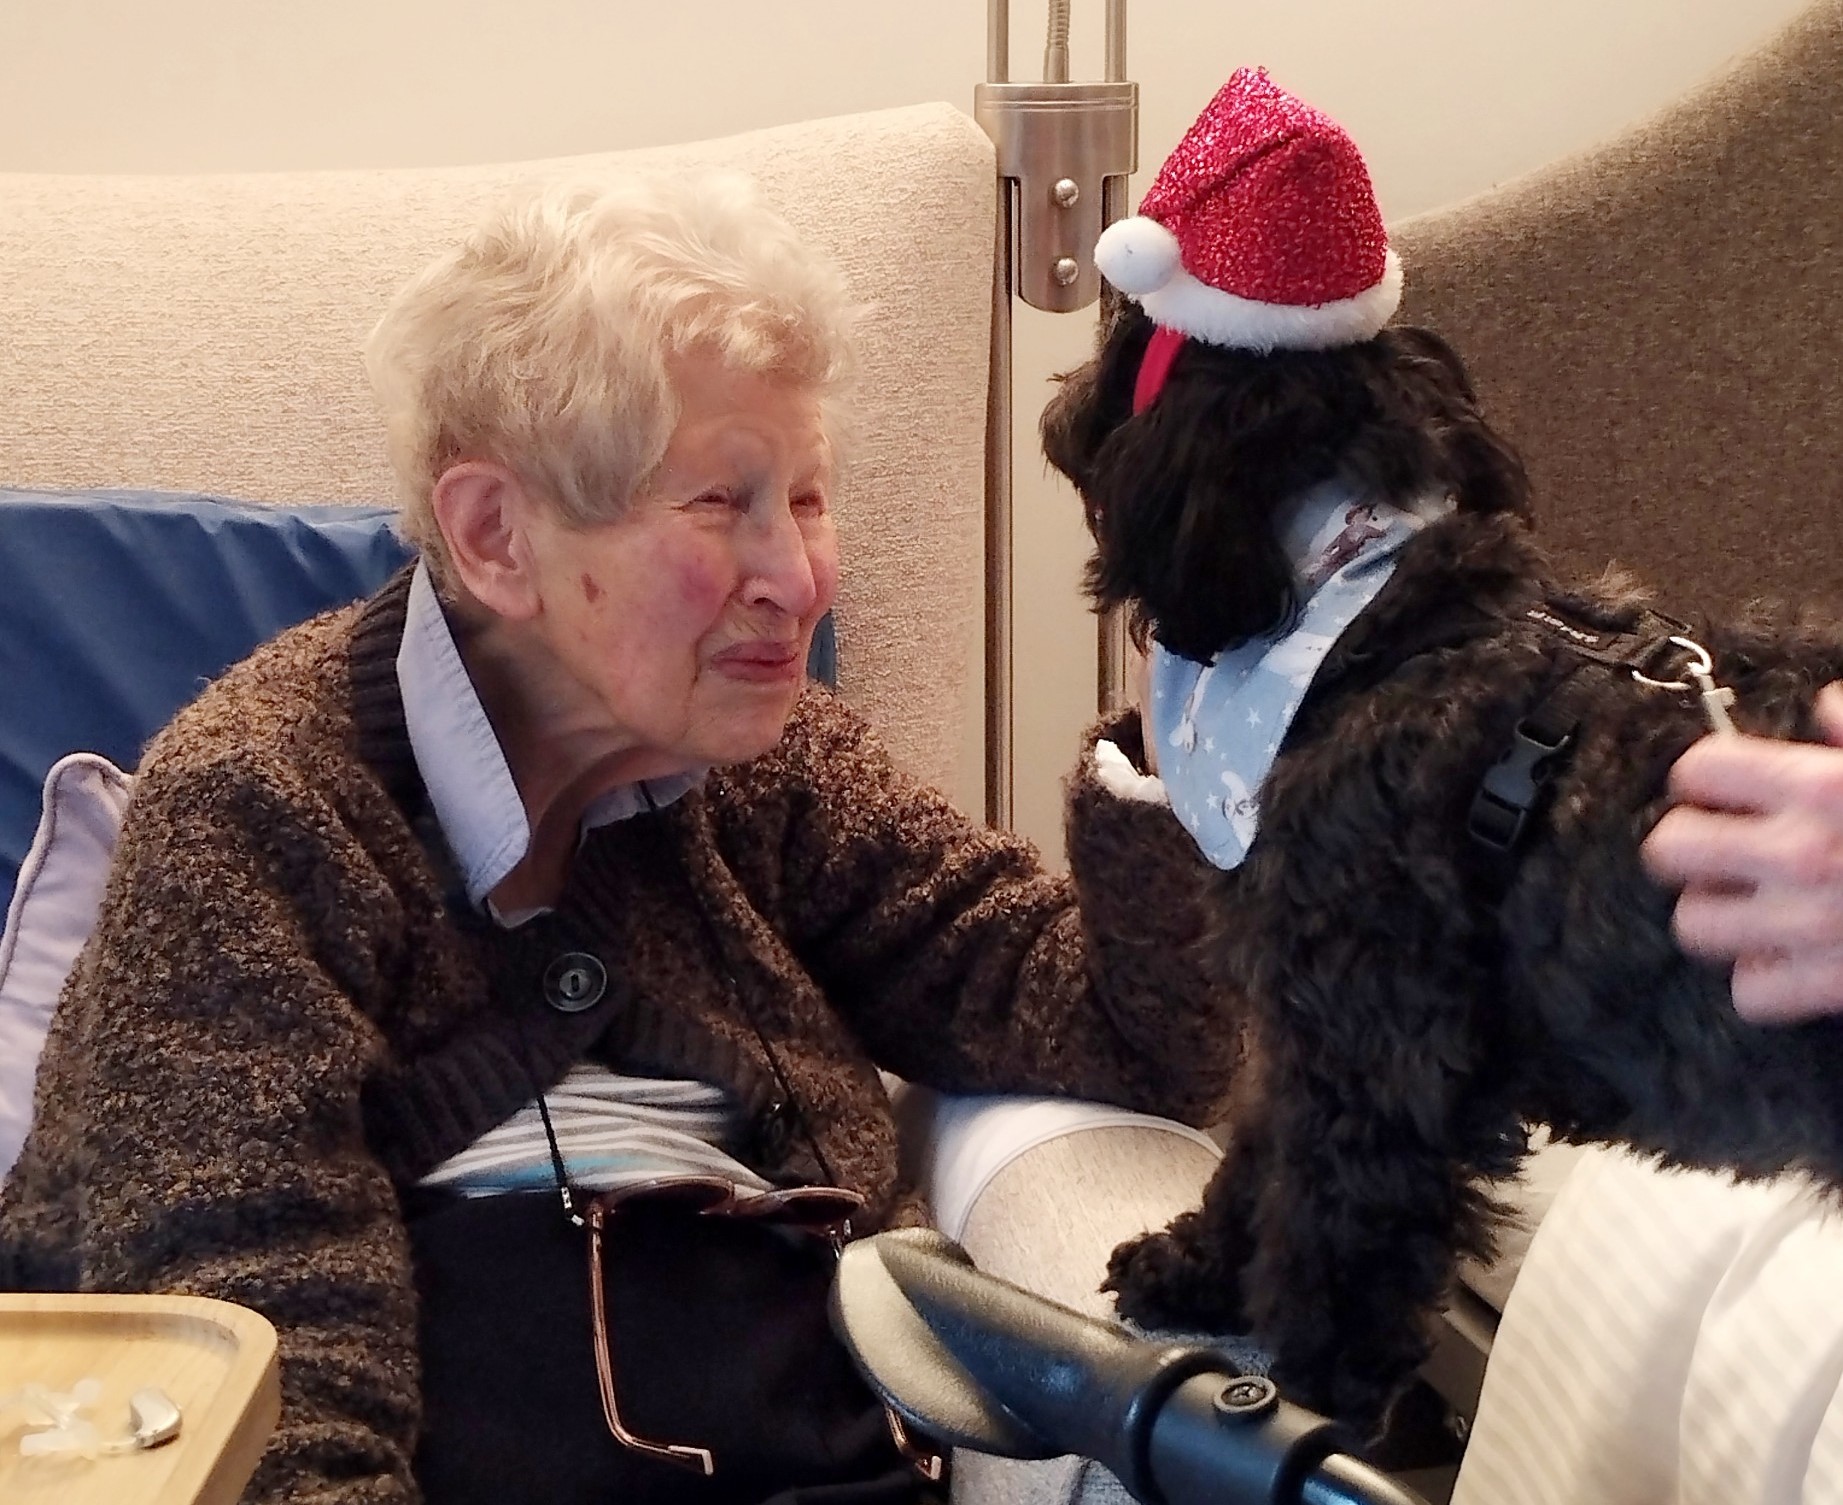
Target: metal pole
(1064,153)
(999,768)
(1111,647)
(1056,47)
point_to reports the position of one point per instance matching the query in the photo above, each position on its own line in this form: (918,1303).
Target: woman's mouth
(761,663)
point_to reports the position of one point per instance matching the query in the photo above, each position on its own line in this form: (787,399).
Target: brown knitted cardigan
(277,1024)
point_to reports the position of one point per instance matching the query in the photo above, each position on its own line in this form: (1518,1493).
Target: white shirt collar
(463,767)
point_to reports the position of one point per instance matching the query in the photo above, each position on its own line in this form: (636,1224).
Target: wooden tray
(216,1362)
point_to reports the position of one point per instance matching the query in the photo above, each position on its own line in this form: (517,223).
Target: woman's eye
(810,501)
(714,499)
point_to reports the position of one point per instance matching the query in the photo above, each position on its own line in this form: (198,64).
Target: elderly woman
(446,926)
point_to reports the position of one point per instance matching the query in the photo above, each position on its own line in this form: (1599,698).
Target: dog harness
(1641,646)
(1218,726)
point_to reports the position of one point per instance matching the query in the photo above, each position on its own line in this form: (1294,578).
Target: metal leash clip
(1700,673)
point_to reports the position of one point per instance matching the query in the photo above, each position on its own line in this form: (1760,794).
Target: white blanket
(1672,1339)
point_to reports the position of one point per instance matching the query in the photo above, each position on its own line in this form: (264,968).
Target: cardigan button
(775,1128)
(574,981)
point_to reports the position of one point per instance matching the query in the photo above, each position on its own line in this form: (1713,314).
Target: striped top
(612,1130)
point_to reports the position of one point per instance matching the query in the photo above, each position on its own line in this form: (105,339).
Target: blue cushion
(117,607)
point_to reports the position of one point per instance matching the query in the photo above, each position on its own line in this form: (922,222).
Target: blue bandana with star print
(1218,725)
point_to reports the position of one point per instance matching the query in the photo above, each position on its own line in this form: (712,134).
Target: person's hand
(1755,840)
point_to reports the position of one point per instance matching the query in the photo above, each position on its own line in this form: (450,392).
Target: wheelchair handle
(977,1362)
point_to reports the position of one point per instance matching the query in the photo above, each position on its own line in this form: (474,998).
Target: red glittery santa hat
(1260,232)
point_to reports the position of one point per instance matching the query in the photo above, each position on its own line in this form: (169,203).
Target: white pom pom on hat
(1137,255)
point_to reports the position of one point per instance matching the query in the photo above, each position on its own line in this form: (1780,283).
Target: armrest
(1039,1191)
(986,1162)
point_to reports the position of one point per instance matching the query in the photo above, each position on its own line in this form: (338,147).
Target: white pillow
(53,909)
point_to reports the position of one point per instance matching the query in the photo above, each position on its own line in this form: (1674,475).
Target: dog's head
(1181,499)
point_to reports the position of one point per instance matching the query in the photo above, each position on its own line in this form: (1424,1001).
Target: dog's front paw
(1170,1279)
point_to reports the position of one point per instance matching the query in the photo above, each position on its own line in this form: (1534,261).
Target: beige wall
(1447,98)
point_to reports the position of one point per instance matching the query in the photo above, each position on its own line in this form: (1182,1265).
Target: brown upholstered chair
(1656,324)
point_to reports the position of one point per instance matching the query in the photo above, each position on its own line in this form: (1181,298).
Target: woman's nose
(780,568)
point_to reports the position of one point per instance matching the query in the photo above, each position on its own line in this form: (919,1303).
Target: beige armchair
(202,334)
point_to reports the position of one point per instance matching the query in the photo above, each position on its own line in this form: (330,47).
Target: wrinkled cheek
(698,592)
(824,563)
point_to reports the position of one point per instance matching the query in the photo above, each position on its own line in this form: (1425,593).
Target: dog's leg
(1190,1274)
(1358,1230)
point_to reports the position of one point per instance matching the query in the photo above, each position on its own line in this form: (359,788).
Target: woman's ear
(485,515)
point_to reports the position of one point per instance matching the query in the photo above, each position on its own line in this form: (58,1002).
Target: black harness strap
(1639,640)
(1516,788)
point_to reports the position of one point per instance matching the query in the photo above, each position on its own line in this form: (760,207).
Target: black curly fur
(1403,1027)
(1190,556)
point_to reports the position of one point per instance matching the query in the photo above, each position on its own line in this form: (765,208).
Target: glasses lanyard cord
(719,954)
(557,1167)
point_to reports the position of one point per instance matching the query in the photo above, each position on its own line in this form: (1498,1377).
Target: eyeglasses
(821,1211)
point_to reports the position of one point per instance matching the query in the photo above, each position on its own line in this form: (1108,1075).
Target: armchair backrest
(1656,325)
(202,334)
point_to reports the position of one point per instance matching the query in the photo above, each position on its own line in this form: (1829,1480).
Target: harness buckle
(1513,786)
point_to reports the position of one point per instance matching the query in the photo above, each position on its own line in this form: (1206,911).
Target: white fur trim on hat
(1206,313)
(1137,255)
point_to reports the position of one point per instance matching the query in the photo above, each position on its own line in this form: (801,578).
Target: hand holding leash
(1756,842)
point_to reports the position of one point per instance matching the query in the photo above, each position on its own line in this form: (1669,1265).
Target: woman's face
(689,617)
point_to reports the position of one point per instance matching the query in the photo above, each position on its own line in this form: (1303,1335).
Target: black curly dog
(1416,994)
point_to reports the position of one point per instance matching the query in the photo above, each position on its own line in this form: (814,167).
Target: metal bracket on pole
(1058,146)
(1065,151)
